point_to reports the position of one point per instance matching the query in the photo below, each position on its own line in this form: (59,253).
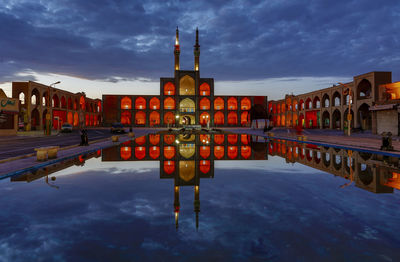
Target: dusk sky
(249,47)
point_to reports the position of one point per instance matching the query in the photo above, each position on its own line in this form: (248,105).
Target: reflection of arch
(205,151)
(204,118)
(219,118)
(364,117)
(140,103)
(336,119)
(205,103)
(364,89)
(245,151)
(204,89)
(126,152)
(169,103)
(326,157)
(187,105)
(325,100)
(365,174)
(140,152)
(336,99)
(126,117)
(205,166)
(154,152)
(186,86)
(154,103)
(169,167)
(169,118)
(154,139)
(169,89)
(232,103)
(232,152)
(244,118)
(337,162)
(232,118)
(35,119)
(245,104)
(140,118)
(126,103)
(169,152)
(154,118)
(219,152)
(325,119)
(187,150)
(187,170)
(219,103)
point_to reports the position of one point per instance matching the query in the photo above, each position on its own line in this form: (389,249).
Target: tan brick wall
(387,121)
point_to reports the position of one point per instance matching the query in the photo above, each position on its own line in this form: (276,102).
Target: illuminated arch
(186,86)
(232,152)
(219,103)
(169,118)
(154,139)
(245,104)
(245,151)
(126,152)
(126,103)
(140,118)
(232,139)
(140,140)
(187,105)
(169,89)
(205,151)
(205,166)
(169,167)
(219,152)
(140,152)
(76,119)
(219,139)
(205,103)
(204,118)
(154,118)
(244,118)
(169,152)
(232,103)
(169,139)
(169,103)
(154,152)
(245,139)
(204,89)
(63,102)
(140,103)
(154,103)
(70,118)
(82,103)
(232,118)
(219,118)
(126,117)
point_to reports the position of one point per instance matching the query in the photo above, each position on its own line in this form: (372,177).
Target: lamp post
(349,116)
(48,115)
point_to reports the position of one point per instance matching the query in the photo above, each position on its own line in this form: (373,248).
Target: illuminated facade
(185,99)
(64,107)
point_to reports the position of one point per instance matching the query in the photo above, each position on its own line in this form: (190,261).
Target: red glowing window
(169,139)
(245,152)
(169,152)
(244,118)
(219,152)
(219,139)
(154,118)
(204,139)
(245,104)
(219,118)
(169,118)
(205,166)
(232,118)
(169,167)
(140,103)
(204,118)
(205,103)
(126,103)
(205,151)
(204,89)
(82,102)
(219,103)
(126,117)
(140,152)
(232,139)
(126,152)
(70,118)
(169,89)
(245,139)
(154,103)
(154,152)
(232,152)
(232,103)
(140,140)
(154,139)
(169,103)
(140,118)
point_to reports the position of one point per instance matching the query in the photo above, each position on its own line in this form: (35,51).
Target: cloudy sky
(249,47)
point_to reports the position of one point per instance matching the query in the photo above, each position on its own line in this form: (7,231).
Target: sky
(270,47)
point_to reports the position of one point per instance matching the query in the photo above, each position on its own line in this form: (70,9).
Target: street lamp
(349,92)
(48,115)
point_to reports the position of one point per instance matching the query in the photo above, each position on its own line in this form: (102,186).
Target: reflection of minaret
(197,52)
(176,206)
(177,50)
(197,204)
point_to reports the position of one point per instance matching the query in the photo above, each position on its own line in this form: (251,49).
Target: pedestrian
(82,133)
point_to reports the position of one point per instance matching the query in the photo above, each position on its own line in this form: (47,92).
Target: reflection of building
(9,108)
(328,107)
(36,99)
(185,99)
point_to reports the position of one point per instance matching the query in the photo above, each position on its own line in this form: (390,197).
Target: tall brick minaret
(197,52)
(177,50)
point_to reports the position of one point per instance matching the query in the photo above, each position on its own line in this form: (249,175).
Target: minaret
(176,206)
(177,50)
(197,205)
(197,52)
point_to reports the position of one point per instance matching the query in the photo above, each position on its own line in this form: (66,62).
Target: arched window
(244,118)
(186,86)
(204,118)
(126,117)
(232,103)
(169,118)
(154,118)
(169,103)
(169,89)
(219,103)
(126,103)
(22,98)
(82,102)
(55,101)
(205,103)
(70,106)
(187,105)
(140,103)
(219,118)
(63,102)
(154,103)
(140,118)
(232,118)
(245,104)
(204,89)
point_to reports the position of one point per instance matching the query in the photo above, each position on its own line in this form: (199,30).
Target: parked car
(66,128)
(117,128)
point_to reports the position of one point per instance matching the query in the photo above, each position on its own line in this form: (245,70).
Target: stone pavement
(13,165)
(366,140)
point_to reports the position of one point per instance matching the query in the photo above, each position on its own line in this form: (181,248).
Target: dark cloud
(240,40)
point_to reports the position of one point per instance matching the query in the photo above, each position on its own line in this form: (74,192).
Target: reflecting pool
(205,197)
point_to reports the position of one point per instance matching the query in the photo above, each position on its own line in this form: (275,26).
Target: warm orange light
(140,118)
(126,103)
(244,118)
(169,167)
(169,139)
(232,139)
(205,151)
(126,117)
(169,103)
(204,89)
(245,139)
(219,152)
(393,89)
(205,103)
(219,118)
(245,151)
(232,103)
(232,152)
(204,139)
(140,103)
(126,152)
(204,118)
(169,152)
(219,139)
(219,103)
(140,152)
(154,152)
(140,140)
(154,139)
(169,118)
(154,118)
(154,103)
(205,166)
(245,104)
(232,118)
(169,89)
